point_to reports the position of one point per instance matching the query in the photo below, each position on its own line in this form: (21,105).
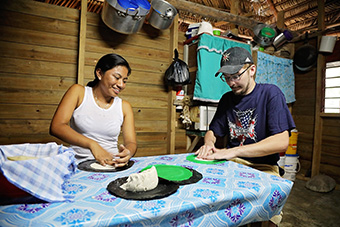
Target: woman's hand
(123,157)
(101,155)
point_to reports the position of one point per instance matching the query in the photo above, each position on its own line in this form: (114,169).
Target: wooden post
(82,39)
(234,9)
(280,20)
(317,143)
(172,94)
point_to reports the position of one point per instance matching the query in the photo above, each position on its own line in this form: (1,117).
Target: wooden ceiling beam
(209,12)
(272,8)
(311,10)
(220,23)
(312,27)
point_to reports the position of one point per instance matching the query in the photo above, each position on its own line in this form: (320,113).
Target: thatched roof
(298,16)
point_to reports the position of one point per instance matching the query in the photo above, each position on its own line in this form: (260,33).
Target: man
(254,117)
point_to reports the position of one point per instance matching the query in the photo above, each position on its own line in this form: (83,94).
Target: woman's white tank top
(101,125)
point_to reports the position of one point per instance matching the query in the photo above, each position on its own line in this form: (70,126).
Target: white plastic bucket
(292,166)
(292,163)
(327,44)
(281,162)
(289,175)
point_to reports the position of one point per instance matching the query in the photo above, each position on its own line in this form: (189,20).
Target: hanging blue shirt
(251,118)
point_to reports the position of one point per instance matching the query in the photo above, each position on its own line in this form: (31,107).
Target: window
(332,88)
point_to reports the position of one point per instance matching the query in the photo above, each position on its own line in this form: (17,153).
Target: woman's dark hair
(108,62)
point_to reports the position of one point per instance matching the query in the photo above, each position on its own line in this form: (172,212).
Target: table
(229,194)
(197,136)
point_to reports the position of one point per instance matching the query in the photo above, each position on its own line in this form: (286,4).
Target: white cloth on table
(42,177)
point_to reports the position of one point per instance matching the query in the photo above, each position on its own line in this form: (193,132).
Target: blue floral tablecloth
(229,194)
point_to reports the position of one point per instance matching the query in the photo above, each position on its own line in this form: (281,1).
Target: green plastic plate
(171,172)
(192,158)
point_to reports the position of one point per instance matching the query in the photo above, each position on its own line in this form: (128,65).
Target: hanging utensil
(305,56)
(264,35)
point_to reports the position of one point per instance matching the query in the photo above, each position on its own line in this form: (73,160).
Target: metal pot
(282,39)
(162,14)
(123,16)
(264,35)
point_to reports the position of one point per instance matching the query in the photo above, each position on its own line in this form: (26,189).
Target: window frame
(329,65)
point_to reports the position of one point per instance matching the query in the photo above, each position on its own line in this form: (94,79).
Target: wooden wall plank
(139,39)
(29,67)
(126,49)
(136,64)
(38,23)
(38,9)
(25,127)
(34,82)
(41,38)
(27,111)
(37,52)
(28,96)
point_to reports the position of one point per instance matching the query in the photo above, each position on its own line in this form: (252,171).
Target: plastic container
(192,30)
(327,44)
(217,32)
(292,166)
(292,163)
(292,147)
(282,161)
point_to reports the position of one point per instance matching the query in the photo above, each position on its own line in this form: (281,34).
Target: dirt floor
(306,208)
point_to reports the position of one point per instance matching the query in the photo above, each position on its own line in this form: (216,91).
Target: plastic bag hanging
(178,72)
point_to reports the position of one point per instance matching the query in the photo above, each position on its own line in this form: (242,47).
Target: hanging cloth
(209,88)
(278,71)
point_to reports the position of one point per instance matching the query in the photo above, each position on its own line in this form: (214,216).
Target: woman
(90,118)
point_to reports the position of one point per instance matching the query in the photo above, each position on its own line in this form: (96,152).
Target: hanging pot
(264,35)
(282,39)
(124,16)
(162,14)
(305,57)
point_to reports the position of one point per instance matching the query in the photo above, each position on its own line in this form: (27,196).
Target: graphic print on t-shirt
(244,127)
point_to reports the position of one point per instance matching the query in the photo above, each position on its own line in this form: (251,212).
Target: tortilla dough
(96,165)
(144,181)
(201,159)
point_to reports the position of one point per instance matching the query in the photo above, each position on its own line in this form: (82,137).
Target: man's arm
(273,144)
(209,145)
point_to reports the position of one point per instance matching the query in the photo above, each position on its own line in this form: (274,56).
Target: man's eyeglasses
(233,77)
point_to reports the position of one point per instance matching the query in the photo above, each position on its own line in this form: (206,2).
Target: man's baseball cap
(233,60)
